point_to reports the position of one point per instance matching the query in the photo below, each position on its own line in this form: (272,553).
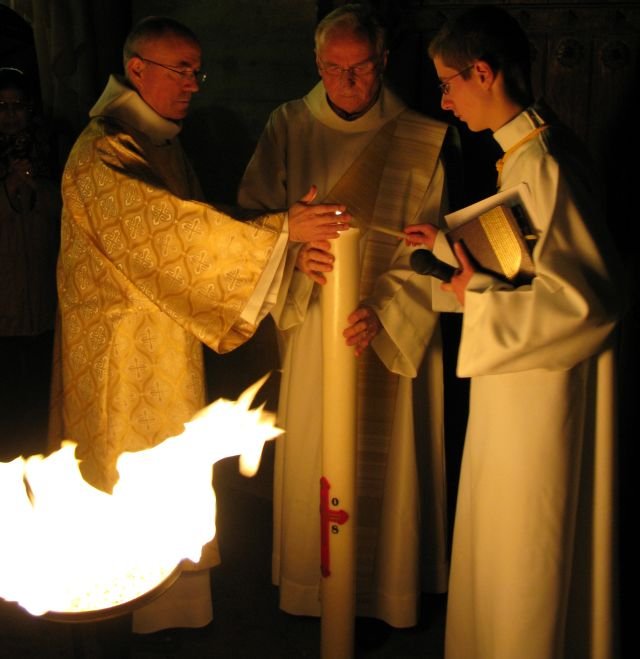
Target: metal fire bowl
(124,608)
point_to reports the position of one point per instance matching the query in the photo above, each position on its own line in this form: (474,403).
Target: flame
(68,547)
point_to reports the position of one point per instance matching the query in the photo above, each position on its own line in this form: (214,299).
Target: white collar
(385,108)
(122,102)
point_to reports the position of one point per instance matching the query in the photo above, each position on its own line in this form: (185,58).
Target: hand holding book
(498,233)
(499,241)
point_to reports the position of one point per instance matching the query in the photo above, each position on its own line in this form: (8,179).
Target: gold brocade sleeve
(133,237)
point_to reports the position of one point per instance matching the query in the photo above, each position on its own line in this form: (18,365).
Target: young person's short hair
(490,34)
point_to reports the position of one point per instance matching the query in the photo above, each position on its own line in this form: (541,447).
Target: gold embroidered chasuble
(146,274)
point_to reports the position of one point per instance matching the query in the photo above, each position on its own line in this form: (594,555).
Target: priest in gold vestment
(147,273)
(360,144)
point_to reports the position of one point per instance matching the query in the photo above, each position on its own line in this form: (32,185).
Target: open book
(498,233)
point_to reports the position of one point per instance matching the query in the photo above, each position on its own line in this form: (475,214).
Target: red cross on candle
(330,520)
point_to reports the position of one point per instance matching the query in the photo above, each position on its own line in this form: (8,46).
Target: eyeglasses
(188,74)
(444,84)
(355,71)
(15,106)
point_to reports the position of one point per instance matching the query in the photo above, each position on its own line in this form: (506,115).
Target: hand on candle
(421,234)
(314,258)
(460,280)
(363,329)
(308,223)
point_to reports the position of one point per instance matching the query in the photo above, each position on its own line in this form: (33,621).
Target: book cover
(499,235)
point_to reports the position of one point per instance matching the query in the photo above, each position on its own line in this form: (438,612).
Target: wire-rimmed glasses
(444,84)
(188,74)
(356,71)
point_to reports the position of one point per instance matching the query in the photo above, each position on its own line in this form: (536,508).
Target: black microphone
(425,263)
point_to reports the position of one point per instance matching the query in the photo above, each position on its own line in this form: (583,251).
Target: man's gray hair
(151,29)
(359,19)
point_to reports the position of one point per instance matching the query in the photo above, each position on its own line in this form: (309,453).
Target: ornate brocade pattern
(145,275)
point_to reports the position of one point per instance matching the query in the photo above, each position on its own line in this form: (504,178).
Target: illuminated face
(14,111)
(164,73)
(465,97)
(350,70)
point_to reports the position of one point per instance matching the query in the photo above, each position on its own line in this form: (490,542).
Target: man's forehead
(337,43)
(180,50)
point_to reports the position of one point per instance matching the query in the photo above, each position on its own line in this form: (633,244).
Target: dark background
(259,53)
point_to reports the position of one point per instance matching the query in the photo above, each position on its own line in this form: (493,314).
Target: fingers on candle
(317,252)
(330,225)
(324,245)
(344,218)
(315,270)
(360,314)
(332,232)
(314,259)
(364,327)
(319,266)
(307,227)
(317,277)
(360,342)
(316,222)
(337,209)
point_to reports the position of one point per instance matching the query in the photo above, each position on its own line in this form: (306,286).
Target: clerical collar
(352,116)
(120,101)
(521,129)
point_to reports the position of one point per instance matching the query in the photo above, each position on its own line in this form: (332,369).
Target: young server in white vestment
(351,123)
(532,573)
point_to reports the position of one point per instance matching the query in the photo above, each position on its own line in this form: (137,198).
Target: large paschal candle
(339,298)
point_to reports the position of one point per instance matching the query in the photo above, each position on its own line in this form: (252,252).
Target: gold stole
(385,185)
